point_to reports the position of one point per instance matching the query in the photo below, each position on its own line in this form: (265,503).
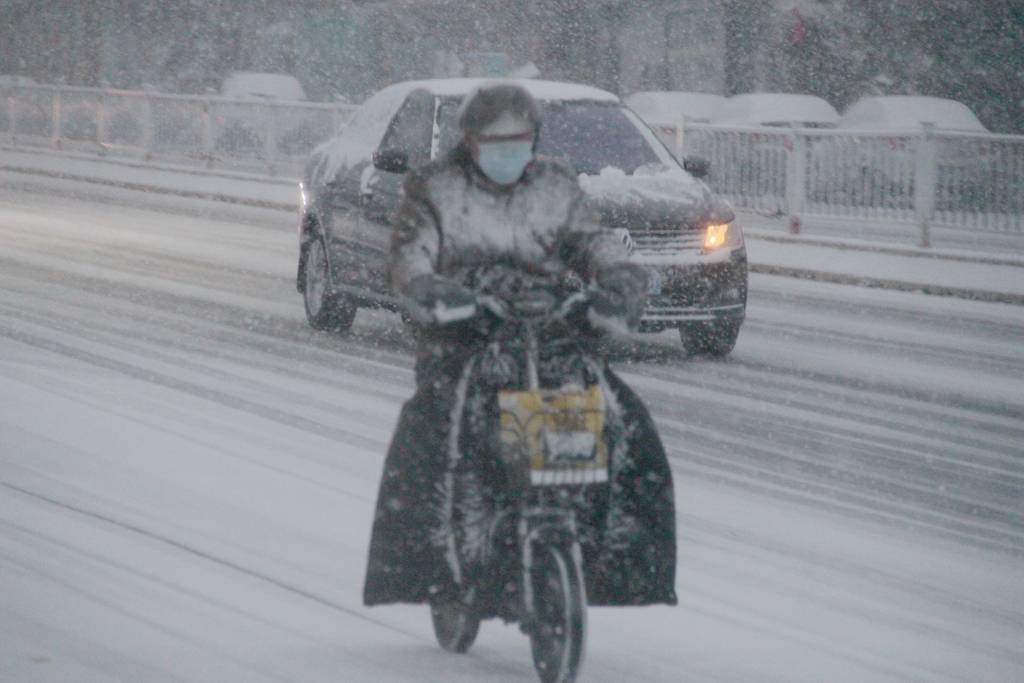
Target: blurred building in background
(837,49)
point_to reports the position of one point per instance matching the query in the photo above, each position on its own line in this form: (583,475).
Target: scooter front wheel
(559,621)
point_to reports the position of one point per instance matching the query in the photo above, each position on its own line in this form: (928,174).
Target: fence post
(11,112)
(796,173)
(207,134)
(101,119)
(270,142)
(56,123)
(147,126)
(681,139)
(925,179)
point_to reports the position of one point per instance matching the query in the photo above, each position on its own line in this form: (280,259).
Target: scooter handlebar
(504,311)
(442,315)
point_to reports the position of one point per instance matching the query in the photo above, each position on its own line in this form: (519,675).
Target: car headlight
(718,235)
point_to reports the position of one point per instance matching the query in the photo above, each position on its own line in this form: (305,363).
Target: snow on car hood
(655,196)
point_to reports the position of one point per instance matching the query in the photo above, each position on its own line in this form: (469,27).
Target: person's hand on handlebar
(437,300)
(621,292)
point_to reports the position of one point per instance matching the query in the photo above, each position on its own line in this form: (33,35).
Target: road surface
(187,474)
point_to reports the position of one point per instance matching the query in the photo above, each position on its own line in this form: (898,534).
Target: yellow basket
(553,437)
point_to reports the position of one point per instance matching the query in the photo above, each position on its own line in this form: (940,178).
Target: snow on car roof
(548,91)
(267,85)
(667,107)
(901,112)
(362,134)
(765,108)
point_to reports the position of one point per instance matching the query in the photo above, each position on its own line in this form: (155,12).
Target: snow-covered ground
(187,474)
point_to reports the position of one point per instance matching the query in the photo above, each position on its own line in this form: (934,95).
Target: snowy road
(187,475)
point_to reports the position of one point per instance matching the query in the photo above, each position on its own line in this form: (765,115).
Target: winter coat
(453,218)
(438,492)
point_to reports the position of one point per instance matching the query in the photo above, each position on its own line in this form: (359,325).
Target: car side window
(412,128)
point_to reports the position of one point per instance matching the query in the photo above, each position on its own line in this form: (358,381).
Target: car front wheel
(324,309)
(716,338)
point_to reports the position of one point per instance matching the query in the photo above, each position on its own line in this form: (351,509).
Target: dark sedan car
(674,225)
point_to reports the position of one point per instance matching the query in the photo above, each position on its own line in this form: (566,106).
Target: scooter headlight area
(554,437)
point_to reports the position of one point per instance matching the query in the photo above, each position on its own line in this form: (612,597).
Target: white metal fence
(973,182)
(211,131)
(943,179)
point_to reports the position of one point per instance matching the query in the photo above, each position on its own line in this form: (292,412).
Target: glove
(436,300)
(621,293)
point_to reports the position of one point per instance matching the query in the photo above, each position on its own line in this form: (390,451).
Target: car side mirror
(391,160)
(698,167)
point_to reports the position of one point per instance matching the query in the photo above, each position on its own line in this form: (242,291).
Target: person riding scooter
(488,213)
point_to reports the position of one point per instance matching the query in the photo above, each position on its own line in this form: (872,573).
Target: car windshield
(589,136)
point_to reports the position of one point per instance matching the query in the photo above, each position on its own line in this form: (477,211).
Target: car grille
(666,242)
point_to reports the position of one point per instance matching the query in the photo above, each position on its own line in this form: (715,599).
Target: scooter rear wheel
(456,625)
(559,624)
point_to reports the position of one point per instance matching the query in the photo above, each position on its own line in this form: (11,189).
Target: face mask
(504,162)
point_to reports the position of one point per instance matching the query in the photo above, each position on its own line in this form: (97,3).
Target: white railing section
(207,130)
(953,180)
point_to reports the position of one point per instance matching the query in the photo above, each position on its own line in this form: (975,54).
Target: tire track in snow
(208,556)
(194,389)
